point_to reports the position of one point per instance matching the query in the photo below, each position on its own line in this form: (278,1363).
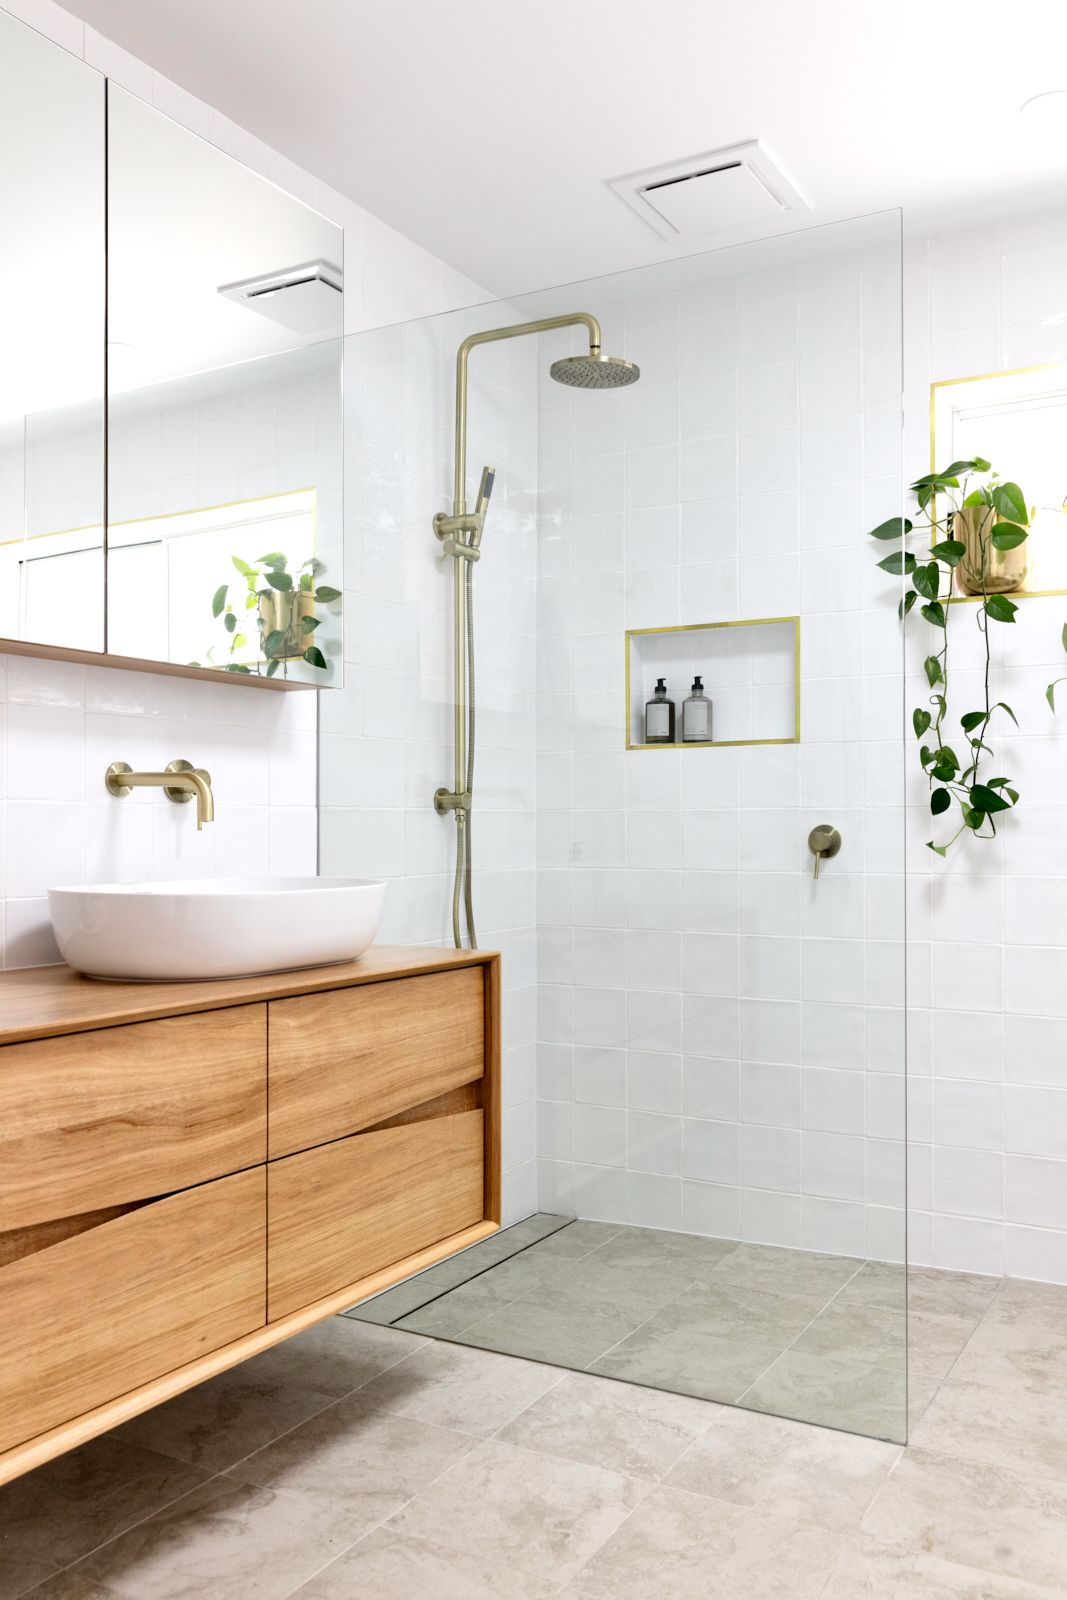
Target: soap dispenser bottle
(696,715)
(659,716)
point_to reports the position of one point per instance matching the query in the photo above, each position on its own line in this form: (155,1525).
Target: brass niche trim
(706,627)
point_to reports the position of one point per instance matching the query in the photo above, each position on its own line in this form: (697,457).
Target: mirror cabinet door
(52,194)
(224,524)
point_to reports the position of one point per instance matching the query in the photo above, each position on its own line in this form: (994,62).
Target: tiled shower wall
(721,1040)
(988,930)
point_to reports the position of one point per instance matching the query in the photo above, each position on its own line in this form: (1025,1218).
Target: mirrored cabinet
(171,329)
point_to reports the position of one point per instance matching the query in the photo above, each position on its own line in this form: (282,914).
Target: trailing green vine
(998,521)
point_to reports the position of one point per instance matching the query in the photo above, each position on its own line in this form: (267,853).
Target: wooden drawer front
(129,1300)
(348,1209)
(97,1119)
(349,1058)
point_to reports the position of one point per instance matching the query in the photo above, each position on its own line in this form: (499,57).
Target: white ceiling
(485,129)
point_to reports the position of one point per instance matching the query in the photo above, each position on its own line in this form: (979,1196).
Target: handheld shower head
(594,371)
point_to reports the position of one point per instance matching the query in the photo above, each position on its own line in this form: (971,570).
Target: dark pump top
(661,688)
(698,687)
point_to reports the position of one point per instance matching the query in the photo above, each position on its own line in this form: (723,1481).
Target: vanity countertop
(41,1002)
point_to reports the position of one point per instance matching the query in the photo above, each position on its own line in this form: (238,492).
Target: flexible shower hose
(462,888)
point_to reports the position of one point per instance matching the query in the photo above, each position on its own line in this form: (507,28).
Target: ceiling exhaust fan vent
(305,298)
(719,192)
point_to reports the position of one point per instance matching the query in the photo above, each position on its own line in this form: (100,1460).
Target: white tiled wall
(721,1040)
(988,930)
(63,724)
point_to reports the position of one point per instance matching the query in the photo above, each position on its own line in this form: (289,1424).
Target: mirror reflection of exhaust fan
(305,298)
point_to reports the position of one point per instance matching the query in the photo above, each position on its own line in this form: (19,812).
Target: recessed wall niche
(750,671)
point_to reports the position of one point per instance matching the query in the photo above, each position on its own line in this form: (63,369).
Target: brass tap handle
(824,842)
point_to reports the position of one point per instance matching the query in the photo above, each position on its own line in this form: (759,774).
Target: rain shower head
(595,371)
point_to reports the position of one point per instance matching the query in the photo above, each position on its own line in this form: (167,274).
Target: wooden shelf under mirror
(750,671)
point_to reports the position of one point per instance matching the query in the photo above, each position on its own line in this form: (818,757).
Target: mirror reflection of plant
(268,581)
(956,779)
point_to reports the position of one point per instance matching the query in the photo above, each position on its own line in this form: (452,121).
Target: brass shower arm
(516,331)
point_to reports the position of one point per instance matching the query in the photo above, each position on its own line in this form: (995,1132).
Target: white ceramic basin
(214,928)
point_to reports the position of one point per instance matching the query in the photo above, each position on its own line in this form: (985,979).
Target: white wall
(988,930)
(61,725)
(721,1040)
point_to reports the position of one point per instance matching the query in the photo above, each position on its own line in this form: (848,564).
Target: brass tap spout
(181,782)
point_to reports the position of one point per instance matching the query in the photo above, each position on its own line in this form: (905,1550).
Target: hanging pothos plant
(967,498)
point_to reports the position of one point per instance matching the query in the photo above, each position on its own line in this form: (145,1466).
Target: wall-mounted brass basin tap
(181,782)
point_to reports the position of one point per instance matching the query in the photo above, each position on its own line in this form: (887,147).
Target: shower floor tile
(814,1338)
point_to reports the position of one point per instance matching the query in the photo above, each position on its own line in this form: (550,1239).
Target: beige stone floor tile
(454,1386)
(73,1585)
(951,1294)
(335,1356)
(600,1286)
(732,1310)
(801,1473)
(679,1546)
(577,1239)
(687,1363)
(385,1566)
(21,1570)
(1007,1426)
(80,1500)
(868,1569)
(857,1333)
(509,1280)
(620,1426)
(635,1249)
(1037,1300)
(452,1314)
(798,1272)
(1013,1351)
(226,1418)
(362,1462)
(563,1335)
(835,1393)
(225,1540)
(974,1515)
(518,1508)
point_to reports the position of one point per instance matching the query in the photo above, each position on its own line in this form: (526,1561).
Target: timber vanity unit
(192,1172)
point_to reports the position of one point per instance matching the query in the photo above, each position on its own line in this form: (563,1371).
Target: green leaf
(1007,536)
(926,755)
(1050,694)
(306,582)
(958,467)
(920,721)
(272,667)
(1000,608)
(326,594)
(934,613)
(274,559)
(243,568)
(980,464)
(932,667)
(927,580)
(1009,502)
(971,719)
(250,601)
(315,658)
(274,643)
(983,798)
(938,849)
(1063,636)
(973,817)
(1002,705)
(895,528)
(977,497)
(239,666)
(229,622)
(312,564)
(905,604)
(897,562)
(218,599)
(279,580)
(309,624)
(940,801)
(951,551)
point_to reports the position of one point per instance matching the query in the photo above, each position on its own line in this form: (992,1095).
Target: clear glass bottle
(696,715)
(659,716)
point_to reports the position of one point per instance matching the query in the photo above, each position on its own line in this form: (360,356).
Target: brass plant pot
(1005,570)
(284,612)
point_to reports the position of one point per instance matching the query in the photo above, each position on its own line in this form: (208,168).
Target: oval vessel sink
(214,927)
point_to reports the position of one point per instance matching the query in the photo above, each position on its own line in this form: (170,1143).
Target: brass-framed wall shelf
(751,673)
